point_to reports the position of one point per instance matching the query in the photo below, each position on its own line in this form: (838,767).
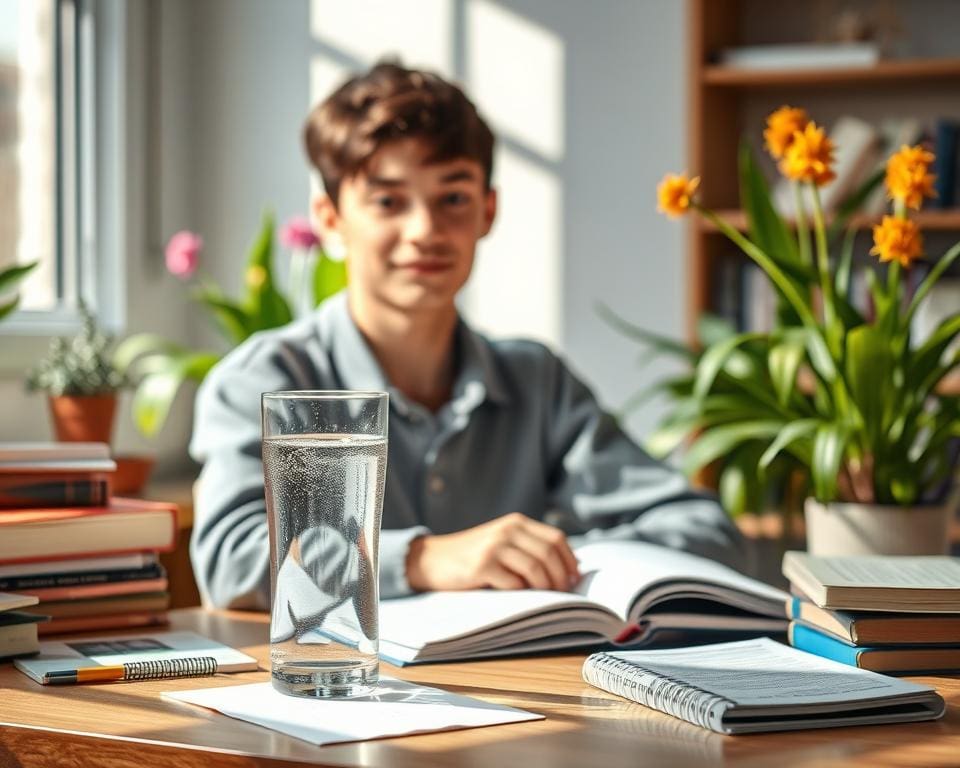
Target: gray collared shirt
(520,434)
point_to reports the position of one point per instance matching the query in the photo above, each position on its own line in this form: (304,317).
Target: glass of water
(324,466)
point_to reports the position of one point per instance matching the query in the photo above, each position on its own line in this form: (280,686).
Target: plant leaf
(829,444)
(660,343)
(767,228)
(719,441)
(714,358)
(854,203)
(930,280)
(8,307)
(139,345)
(329,277)
(156,392)
(10,276)
(783,362)
(788,436)
(869,367)
(231,317)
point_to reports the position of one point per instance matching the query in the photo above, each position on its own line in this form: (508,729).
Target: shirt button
(437,484)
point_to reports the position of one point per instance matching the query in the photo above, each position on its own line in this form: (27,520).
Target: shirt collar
(477,379)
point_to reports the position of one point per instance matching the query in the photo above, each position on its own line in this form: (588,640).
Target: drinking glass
(324,466)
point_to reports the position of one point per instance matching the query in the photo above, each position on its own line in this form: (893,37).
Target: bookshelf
(726,103)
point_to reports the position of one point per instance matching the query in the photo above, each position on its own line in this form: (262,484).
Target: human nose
(422,224)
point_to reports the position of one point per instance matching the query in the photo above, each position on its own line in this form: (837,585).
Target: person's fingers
(498,577)
(558,540)
(525,565)
(548,556)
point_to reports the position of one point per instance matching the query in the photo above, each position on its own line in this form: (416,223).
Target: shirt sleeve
(230,547)
(604,486)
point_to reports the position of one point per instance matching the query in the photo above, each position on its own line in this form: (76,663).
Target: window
(60,70)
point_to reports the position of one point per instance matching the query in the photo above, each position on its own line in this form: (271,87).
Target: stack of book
(89,558)
(18,630)
(891,614)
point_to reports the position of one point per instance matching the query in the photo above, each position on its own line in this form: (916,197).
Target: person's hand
(511,552)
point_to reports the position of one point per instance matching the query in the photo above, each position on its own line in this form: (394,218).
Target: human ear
(489,211)
(325,214)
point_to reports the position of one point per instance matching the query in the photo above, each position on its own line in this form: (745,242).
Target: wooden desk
(129,724)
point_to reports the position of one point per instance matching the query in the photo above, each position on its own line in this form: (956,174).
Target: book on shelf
(759,685)
(29,490)
(114,650)
(897,583)
(902,659)
(945,149)
(54,576)
(631,594)
(786,56)
(126,525)
(857,150)
(878,627)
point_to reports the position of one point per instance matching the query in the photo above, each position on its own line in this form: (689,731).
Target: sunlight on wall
(515,69)
(516,284)
(367,30)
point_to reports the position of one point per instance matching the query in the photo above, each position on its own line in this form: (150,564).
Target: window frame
(91,206)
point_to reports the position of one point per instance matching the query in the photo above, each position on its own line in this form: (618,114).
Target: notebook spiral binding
(161,669)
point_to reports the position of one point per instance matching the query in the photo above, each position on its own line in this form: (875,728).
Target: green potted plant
(81,383)
(160,367)
(840,406)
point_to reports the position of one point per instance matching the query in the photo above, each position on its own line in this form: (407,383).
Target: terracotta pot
(83,418)
(877,529)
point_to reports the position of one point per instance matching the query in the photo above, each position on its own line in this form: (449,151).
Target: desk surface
(129,724)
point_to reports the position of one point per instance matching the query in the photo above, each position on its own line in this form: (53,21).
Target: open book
(630,593)
(759,685)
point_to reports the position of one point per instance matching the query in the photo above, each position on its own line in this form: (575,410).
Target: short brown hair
(391,102)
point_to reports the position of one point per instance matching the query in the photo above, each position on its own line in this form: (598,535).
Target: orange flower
(781,127)
(809,156)
(897,239)
(908,178)
(675,193)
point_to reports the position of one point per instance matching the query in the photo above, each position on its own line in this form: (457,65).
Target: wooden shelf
(904,71)
(944,220)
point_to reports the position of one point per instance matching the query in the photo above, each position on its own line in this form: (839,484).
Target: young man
(500,460)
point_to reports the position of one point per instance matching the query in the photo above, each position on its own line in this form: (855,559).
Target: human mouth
(425,267)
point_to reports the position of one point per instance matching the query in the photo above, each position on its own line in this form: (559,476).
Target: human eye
(456,199)
(386,203)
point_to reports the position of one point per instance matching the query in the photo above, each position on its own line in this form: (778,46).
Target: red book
(126,525)
(100,623)
(84,591)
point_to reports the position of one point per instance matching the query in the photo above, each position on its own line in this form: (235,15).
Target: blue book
(945,165)
(899,659)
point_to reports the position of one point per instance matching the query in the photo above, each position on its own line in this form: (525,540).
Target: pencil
(159,669)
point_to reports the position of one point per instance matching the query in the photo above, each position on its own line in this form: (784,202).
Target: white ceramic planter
(877,529)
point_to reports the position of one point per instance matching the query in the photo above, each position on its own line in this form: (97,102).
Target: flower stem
(803,232)
(823,267)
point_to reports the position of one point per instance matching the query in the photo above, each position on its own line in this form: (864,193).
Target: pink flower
(183,254)
(297,233)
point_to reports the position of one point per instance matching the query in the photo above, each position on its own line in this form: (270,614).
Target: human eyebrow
(463,174)
(383,181)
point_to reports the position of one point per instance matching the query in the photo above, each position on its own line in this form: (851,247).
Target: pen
(199,666)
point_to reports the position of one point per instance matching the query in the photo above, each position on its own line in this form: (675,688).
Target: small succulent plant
(78,366)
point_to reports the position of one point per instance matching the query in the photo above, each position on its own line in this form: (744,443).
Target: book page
(878,571)
(435,616)
(763,672)
(615,572)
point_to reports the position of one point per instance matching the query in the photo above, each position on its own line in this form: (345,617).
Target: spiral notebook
(59,658)
(759,685)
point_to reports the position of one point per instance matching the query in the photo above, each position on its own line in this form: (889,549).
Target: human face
(411,226)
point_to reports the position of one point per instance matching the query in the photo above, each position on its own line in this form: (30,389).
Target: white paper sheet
(398,708)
